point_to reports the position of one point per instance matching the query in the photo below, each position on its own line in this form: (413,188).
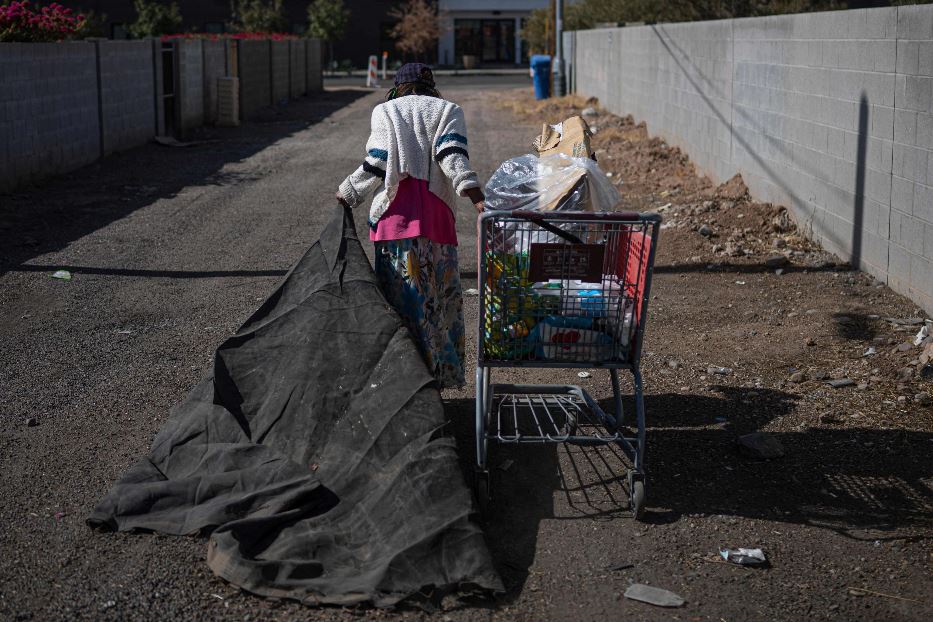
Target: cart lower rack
(568,290)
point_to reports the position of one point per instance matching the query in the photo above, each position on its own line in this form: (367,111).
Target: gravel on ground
(170,249)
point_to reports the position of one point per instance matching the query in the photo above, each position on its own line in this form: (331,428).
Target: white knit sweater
(415,135)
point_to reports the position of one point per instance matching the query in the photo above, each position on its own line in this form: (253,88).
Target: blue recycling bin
(541,74)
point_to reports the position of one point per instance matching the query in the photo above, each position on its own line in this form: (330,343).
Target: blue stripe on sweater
(452,137)
(380,154)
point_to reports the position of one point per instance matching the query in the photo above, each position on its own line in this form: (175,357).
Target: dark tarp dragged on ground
(311,455)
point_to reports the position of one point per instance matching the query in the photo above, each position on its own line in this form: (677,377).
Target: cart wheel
(638,499)
(636,486)
(481,489)
(487,394)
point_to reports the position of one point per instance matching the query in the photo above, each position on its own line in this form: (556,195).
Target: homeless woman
(418,150)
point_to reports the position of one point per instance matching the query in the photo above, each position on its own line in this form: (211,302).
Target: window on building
(525,58)
(468,38)
(492,40)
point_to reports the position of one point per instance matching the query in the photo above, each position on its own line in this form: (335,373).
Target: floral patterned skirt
(421,279)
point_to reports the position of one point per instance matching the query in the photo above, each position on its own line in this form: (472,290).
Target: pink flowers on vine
(20,22)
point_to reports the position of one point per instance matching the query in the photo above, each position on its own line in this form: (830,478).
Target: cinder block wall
(215,66)
(157,69)
(910,266)
(189,56)
(829,114)
(813,121)
(127,94)
(64,105)
(254,62)
(315,65)
(281,85)
(49,120)
(297,67)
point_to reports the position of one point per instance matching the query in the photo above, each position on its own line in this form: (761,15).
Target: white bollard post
(371,72)
(385,61)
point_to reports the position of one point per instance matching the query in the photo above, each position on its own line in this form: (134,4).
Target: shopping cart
(566,290)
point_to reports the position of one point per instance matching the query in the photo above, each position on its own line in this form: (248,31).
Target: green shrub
(154,19)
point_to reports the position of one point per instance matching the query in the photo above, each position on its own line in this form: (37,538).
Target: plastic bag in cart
(551,183)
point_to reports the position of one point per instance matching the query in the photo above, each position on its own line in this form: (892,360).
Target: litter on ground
(653,595)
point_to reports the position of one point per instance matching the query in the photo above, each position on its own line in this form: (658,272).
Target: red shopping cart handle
(613,216)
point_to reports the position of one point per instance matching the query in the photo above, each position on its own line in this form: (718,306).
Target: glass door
(499,40)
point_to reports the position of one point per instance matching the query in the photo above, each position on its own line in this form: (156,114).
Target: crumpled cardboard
(572,138)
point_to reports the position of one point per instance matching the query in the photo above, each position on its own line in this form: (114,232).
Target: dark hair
(412,88)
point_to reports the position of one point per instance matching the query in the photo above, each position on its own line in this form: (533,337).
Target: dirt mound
(653,175)
(734,189)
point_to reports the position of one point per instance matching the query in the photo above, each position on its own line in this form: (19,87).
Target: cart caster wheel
(571,424)
(636,486)
(482,491)
(638,499)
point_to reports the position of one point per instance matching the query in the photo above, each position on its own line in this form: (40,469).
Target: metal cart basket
(566,290)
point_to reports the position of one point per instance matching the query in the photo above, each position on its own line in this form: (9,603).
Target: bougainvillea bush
(20,22)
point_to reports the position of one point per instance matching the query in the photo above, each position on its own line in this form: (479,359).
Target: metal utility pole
(559,90)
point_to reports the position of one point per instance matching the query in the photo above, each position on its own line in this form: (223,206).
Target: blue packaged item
(562,338)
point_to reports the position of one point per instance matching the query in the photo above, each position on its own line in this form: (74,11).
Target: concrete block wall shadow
(314,65)
(297,69)
(159,92)
(65,105)
(278,70)
(127,94)
(189,79)
(62,210)
(829,114)
(49,120)
(255,61)
(215,66)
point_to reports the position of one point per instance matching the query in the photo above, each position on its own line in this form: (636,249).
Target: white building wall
(451,10)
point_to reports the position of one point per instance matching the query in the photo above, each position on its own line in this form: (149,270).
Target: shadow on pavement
(522,495)
(850,480)
(46,217)
(166,274)
(744,268)
(869,484)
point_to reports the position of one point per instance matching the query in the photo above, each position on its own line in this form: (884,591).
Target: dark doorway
(492,40)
